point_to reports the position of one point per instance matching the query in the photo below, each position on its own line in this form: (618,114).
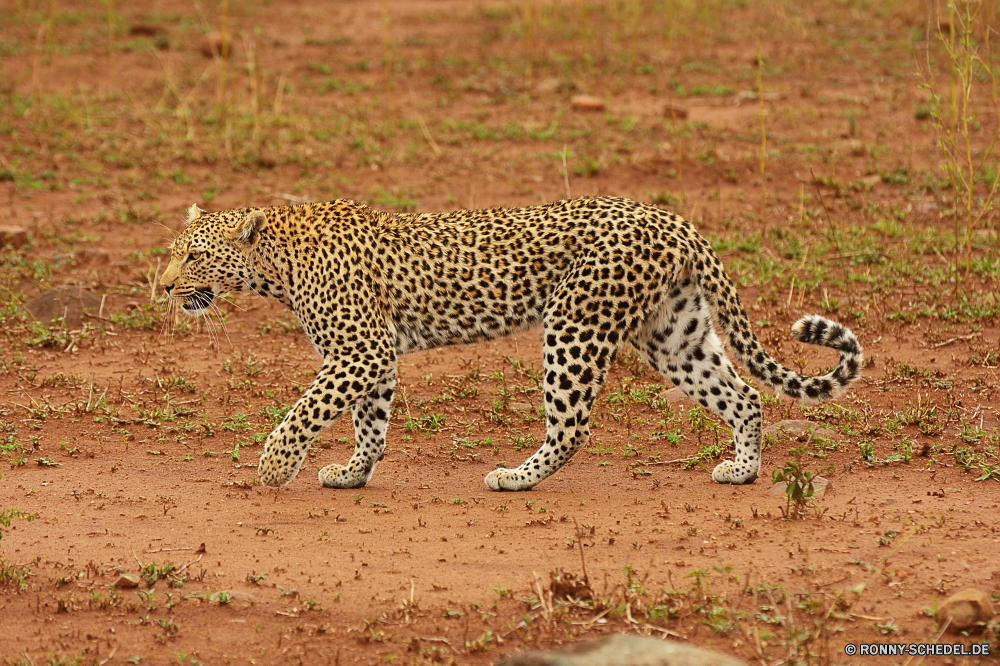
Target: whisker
(173,232)
(237,305)
(163,324)
(253,291)
(219,314)
(222,323)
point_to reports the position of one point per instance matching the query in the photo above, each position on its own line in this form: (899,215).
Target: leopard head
(211,256)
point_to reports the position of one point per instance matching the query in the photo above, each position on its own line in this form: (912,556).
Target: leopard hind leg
(678,340)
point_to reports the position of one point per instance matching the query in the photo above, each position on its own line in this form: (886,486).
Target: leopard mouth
(199,300)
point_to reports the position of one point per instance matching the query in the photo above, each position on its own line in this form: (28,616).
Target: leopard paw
(729,471)
(508,479)
(339,476)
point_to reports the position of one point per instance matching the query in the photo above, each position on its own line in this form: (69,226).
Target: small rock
(216,44)
(521,406)
(155,32)
(858,148)
(90,257)
(821,486)
(587,103)
(127,581)
(968,609)
(548,86)
(673,111)
(14,237)
(68,302)
(145,30)
(622,650)
(265,159)
(86,257)
(672,395)
(798,428)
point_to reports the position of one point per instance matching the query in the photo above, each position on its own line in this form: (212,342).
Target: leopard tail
(720,292)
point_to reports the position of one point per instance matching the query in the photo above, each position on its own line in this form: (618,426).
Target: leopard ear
(193,214)
(246,231)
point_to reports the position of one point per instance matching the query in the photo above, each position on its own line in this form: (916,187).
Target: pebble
(69,302)
(672,395)
(127,581)
(587,103)
(15,237)
(968,609)
(672,111)
(216,44)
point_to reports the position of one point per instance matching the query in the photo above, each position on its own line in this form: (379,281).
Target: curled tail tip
(817,330)
(811,329)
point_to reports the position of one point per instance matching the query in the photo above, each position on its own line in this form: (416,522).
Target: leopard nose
(168,288)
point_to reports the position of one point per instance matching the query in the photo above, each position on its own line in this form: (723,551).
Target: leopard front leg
(371,420)
(345,379)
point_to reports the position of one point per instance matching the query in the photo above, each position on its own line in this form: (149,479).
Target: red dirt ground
(135,446)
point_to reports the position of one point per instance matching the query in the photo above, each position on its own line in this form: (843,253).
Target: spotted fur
(597,273)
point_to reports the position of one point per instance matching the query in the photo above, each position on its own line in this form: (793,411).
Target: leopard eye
(194,256)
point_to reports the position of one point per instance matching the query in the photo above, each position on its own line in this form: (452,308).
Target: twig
(955,339)
(441,640)
(671,462)
(933,642)
(822,202)
(293,198)
(592,620)
(423,127)
(111,655)
(427,135)
(665,632)
(156,279)
(565,171)
(190,563)
(583,562)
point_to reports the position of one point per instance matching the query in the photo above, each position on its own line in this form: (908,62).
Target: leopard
(597,273)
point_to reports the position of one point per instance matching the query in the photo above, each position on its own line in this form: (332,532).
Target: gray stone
(622,650)
(14,237)
(127,581)
(672,395)
(969,609)
(69,302)
(90,257)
